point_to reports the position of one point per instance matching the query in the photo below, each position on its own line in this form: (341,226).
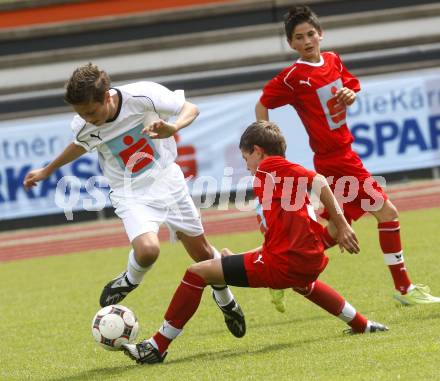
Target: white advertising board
(395,121)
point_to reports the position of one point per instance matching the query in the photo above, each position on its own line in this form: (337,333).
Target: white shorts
(178,212)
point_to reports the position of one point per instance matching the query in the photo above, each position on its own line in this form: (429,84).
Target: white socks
(135,272)
(348,313)
(167,331)
(222,293)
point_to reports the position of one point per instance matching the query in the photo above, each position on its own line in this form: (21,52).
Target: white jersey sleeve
(164,102)
(126,155)
(81,133)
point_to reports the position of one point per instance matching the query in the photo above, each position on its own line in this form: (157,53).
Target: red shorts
(353,186)
(262,273)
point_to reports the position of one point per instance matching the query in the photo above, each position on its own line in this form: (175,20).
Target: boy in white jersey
(128,126)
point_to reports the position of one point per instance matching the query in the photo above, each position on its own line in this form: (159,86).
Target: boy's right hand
(347,240)
(160,129)
(34,176)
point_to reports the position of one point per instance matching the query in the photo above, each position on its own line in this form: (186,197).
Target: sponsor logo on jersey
(134,151)
(335,112)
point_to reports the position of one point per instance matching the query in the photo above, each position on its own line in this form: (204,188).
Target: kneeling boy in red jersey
(292,254)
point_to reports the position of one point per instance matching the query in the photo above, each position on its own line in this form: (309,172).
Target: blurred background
(221,52)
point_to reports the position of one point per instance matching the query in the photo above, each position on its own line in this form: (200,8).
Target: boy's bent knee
(209,271)
(146,254)
(196,268)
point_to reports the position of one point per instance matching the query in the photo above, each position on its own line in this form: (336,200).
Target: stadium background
(221,52)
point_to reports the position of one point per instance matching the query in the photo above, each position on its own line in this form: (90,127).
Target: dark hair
(298,15)
(266,135)
(87,84)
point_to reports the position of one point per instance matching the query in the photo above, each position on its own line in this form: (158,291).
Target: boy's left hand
(346,96)
(160,129)
(347,240)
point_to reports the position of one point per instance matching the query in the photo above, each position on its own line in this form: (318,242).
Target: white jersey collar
(316,64)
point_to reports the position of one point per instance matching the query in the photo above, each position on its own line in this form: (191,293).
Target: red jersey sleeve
(297,170)
(282,168)
(348,79)
(276,93)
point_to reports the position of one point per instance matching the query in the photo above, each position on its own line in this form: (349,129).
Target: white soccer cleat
(143,353)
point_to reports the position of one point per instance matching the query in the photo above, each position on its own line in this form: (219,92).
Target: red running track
(107,234)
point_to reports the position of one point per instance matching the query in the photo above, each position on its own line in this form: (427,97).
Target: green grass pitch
(47,305)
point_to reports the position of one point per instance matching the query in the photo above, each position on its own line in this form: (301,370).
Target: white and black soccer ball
(113,326)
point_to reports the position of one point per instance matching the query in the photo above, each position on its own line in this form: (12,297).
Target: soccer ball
(113,326)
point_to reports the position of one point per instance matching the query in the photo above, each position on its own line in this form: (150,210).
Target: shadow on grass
(99,373)
(419,312)
(225,354)
(102,373)
(254,324)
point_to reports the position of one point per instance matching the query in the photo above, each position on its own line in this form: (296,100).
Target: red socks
(184,304)
(162,342)
(389,238)
(327,298)
(186,300)
(358,323)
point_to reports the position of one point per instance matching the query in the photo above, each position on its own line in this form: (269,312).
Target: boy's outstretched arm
(161,129)
(70,153)
(261,112)
(346,236)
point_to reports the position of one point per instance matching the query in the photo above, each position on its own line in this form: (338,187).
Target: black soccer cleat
(116,290)
(234,317)
(376,327)
(372,327)
(143,353)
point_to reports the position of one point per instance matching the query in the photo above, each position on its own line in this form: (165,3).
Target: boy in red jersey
(320,88)
(292,254)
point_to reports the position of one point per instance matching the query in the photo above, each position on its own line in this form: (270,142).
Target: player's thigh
(211,271)
(184,218)
(139,218)
(366,196)
(234,269)
(197,247)
(249,270)
(387,213)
